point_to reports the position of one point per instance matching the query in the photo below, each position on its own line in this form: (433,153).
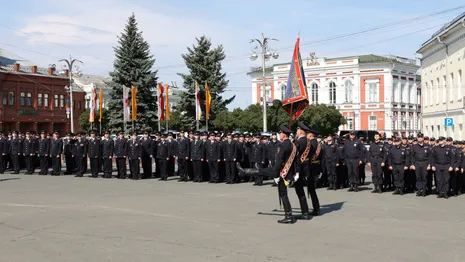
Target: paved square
(83,219)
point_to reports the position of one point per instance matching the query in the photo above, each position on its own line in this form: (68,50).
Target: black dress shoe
(289,219)
(355,188)
(315,212)
(304,216)
(351,189)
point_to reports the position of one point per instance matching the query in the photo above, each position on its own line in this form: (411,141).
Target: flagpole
(159,113)
(196,108)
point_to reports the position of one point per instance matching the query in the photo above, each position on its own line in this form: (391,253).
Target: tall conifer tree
(133,67)
(204,64)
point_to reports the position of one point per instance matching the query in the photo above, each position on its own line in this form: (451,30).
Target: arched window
(314,93)
(332,93)
(283,92)
(348,91)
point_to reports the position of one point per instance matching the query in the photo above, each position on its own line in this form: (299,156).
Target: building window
(397,91)
(418,97)
(372,87)
(74,105)
(79,105)
(62,101)
(459,85)
(39,99)
(405,93)
(451,91)
(4,98)
(444,89)
(426,94)
(12,98)
(431,94)
(46,100)
(372,123)
(332,93)
(55,105)
(402,93)
(350,123)
(314,93)
(283,92)
(29,99)
(412,94)
(22,100)
(437,91)
(348,91)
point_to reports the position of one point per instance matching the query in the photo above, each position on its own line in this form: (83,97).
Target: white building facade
(372,92)
(88,82)
(442,83)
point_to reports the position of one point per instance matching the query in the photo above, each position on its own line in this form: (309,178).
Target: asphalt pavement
(44,218)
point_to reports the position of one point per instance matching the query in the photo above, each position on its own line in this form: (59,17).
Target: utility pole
(70,64)
(266,54)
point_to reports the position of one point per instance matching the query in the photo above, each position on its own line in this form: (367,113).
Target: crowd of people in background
(402,165)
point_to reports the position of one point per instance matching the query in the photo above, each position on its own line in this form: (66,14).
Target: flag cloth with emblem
(296,98)
(134,102)
(167,108)
(100,100)
(208,100)
(161,103)
(198,102)
(93,102)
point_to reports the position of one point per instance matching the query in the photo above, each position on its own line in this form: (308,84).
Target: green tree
(133,67)
(204,64)
(325,119)
(84,123)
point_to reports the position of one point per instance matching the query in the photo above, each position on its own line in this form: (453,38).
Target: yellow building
(442,84)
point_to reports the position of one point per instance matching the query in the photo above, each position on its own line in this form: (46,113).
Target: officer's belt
(315,161)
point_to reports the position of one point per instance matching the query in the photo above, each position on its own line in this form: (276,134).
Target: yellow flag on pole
(134,102)
(100,104)
(167,107)
(208,99)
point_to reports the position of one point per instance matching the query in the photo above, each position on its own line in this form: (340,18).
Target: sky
(47,31)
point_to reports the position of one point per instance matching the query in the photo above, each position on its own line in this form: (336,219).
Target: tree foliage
(84,123)
(204,65)
(133,67)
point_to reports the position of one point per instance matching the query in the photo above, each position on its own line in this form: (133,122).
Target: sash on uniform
(305,153)
(288,165)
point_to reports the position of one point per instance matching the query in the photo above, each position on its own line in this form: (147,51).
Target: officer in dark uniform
(453,174)
(93,151)
(259,157)
(315,168)
(80,155)
(376,160)
(56,149)
(3,152)
(442,161)
(15,151)
(330,161)
(107,154)
(163,156)
(146,155)
(28,152)
(353,155)
(120,153)
(68,144)
(43,152)
(212,156)
(134,153)
(420,164)
(230,157)
(197,156)
(399,161)
(285,157)
(173,151)
(387,179)
(341,167)
(182,156)
(272,147)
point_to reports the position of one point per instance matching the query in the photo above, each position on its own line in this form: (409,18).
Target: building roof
(7,61)
(88,79)
(7,58)
(362,59)
(454,22)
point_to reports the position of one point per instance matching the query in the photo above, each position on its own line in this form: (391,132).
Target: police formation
(400,165)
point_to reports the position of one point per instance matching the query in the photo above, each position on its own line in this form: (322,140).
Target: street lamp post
(70,64)
(266,54)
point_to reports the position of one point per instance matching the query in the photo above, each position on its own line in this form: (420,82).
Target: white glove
(276,180)
(296,177)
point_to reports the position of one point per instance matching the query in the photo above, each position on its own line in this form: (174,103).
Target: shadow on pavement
(7,179)
(324,209)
